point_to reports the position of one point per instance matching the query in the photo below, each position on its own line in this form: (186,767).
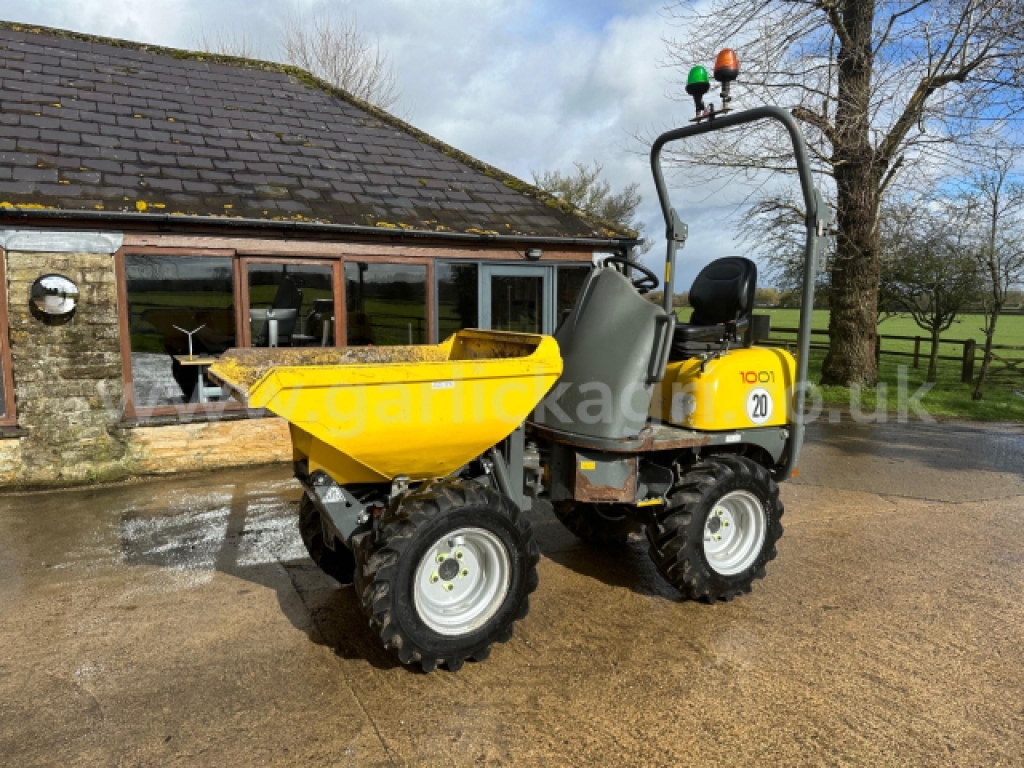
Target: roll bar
(817,221)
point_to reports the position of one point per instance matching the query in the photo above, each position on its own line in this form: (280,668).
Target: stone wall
(10,461)
(69,391)
(196,447)
(67,376)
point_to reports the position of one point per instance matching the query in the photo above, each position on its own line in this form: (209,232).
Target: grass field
(1010,329)
(949,398)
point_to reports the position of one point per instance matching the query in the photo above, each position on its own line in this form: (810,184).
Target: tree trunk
(986,360)
(853,323)
(933,357)
(855,272)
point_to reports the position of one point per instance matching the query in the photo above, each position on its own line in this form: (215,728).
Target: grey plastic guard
(613,351)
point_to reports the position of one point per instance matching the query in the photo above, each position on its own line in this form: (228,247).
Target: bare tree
(776,228)
(882,87)
(335,49)
(929,270)
(993,196)
(585,190)
(224,42)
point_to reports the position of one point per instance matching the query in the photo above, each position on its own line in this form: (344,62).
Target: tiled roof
(99,125)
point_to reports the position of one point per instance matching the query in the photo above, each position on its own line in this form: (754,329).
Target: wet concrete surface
(178,622)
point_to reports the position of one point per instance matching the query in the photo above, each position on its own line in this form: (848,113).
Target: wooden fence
(1003,359)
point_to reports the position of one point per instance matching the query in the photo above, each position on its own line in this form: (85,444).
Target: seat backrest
(724,291)
(607,343)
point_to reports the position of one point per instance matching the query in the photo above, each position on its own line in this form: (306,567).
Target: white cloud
(522,84)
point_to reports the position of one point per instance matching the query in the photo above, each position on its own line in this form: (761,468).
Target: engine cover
(741,389)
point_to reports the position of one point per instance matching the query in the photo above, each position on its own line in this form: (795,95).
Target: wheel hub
(449,569)
(461,581)
(734,533)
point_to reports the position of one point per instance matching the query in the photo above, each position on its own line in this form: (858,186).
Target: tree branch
(818,121)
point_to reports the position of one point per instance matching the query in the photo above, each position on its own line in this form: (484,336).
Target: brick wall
(69,391)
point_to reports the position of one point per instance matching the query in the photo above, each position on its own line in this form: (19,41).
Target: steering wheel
(647,281)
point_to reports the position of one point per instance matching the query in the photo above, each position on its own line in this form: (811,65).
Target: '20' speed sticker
(759,405)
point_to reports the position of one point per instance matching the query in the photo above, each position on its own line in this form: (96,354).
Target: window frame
(241,259)
(10,413)
(337,274)
(243,333)
(429,298)
(191,411)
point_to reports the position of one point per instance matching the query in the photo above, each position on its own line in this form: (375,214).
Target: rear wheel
(599,524)
(446,573)
(718,529)
(338,563)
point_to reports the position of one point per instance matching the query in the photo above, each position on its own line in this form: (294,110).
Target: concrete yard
(179,622)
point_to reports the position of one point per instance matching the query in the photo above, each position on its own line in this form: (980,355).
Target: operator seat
(722,298)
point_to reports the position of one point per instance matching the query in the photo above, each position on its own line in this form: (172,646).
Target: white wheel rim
(461,581)
(734,533)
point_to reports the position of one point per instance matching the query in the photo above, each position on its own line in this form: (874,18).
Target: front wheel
(446,573)
(718,528)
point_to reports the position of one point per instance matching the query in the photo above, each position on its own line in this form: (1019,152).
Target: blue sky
(522,84)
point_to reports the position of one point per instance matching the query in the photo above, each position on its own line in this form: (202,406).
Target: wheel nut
(718,537)
(458,554)
(434,578)
(725,523)
(441,557)
(464,572)
(448,586)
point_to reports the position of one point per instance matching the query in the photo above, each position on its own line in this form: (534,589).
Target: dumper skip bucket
(370,414)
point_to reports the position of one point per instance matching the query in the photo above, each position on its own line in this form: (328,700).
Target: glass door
(516,298)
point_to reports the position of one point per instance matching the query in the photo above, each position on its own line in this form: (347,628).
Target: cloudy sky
(522,84)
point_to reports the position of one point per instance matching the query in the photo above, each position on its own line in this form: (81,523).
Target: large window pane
(291,305)
(187,292)
(386,303)
(570,281)
(457,298)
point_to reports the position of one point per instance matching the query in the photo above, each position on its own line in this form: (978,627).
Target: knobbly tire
(681,533)
(413,555)
(338,563)
(597,524)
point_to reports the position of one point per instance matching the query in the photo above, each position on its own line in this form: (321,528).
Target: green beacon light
(697,84)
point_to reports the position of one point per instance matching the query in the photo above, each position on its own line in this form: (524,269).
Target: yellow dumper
(368,425)
(419,463)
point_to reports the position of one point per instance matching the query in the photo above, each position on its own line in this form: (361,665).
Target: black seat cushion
(723,293)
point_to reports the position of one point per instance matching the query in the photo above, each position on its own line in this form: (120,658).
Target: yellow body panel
(369,414)
(744,388)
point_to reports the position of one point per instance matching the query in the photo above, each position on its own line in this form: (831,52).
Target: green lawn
(949,398)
